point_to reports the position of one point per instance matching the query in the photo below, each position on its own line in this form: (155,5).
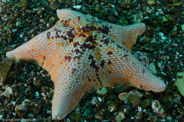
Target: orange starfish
(81,53)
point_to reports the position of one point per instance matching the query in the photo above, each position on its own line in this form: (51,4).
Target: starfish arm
(67,94)
(31,50)
(128,70)
(127,34)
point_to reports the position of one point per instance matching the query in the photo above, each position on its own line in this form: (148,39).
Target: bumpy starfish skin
(80,54)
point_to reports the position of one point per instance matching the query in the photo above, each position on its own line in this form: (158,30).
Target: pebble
(139,115)
(38,83)
(127,4)
(164,19)
(112,107)
(23,3)
(35,108)
(157,107)
(125,96)
(111,18)
(75,116)
(7,92)
(77,7)
(182,27)
(5,66)
(1,116)
(39,10)
(152,68)
(102,91)
(145,103)
(135,100)
(120,116)
(21,109)
(152,118)
(98,117)
(102,112)
(174,31)
(180,82)
(87,112)
(151,2)
(97,8)
(30,115)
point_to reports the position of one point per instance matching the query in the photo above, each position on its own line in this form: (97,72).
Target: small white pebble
(1,116)
(139,109)
(77,7)
(7,92)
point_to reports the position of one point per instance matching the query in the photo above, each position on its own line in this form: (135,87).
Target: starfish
(82,53)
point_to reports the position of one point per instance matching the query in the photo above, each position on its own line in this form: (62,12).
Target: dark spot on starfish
(78,18)
(93,62)
(85,29)
(48,35)
(105,29)
(75,44)
(89,38)
(109,72)
(44,57)
(89,46)
(143,71)
(89,79)
(74,70)
(120,46)
(70,40)
(70,35)
(57,33)
(109,53)
(68,58)
(106,41)
(109,62)
(93,27)
(63,37)
(102,63)
(125,55)
(77,51)
(90,57)
(43,60)
(97,75)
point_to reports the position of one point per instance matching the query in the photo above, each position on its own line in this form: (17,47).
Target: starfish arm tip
(67,94)
(161,86)
(152,83)
(142,28)
(10,55)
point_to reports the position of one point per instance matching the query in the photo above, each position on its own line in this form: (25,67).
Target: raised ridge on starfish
(81,54)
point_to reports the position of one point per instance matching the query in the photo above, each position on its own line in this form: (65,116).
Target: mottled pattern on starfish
(81,54)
